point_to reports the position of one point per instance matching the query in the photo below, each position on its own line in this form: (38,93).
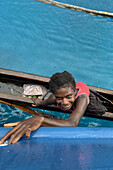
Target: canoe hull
(14,80)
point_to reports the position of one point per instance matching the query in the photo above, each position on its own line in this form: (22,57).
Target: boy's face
(65,97)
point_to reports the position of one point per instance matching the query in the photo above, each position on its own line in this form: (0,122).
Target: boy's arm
(33,123)
(80,107)
(75,117)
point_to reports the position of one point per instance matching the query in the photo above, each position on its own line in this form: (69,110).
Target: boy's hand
(37,102)
(24,127)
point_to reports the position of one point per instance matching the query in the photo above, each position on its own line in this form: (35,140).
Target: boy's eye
(69,96)
(58,98)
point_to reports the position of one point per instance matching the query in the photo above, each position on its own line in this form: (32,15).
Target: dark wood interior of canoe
(12,83)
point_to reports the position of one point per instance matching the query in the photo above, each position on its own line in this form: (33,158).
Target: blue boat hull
(60,148)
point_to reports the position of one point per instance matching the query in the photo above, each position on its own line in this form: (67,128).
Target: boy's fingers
(36,124)
(36,101)
(34,105)
(8,134)
(33,99)
(24,127)
(20,131)
(5,137)
(28,133)
(18,134)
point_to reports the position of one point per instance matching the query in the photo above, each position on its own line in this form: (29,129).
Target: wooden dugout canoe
(11,86)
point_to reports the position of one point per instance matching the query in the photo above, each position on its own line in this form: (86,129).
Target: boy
(75,98)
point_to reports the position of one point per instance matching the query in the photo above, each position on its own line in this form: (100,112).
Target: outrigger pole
(77,8)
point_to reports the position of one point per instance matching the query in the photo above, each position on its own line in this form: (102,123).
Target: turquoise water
(43,39)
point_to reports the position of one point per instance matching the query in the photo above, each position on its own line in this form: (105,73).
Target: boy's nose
(64,101)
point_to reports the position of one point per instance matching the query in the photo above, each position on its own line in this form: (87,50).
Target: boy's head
(63,86)
(61,80)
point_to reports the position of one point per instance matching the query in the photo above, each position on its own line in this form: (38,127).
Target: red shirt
(83,89)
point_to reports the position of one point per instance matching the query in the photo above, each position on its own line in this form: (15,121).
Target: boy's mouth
(66,107)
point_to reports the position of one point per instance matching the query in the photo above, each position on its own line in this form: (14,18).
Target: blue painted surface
(60,148)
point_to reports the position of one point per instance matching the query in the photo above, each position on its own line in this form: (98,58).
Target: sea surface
(43,39)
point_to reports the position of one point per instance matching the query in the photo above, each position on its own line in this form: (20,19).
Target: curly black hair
(59,80)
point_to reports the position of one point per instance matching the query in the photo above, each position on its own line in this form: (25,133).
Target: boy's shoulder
(82,89)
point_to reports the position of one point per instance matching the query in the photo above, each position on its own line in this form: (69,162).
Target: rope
(77,8)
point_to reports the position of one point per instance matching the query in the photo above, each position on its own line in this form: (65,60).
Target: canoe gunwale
(17,74)
(29,76)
